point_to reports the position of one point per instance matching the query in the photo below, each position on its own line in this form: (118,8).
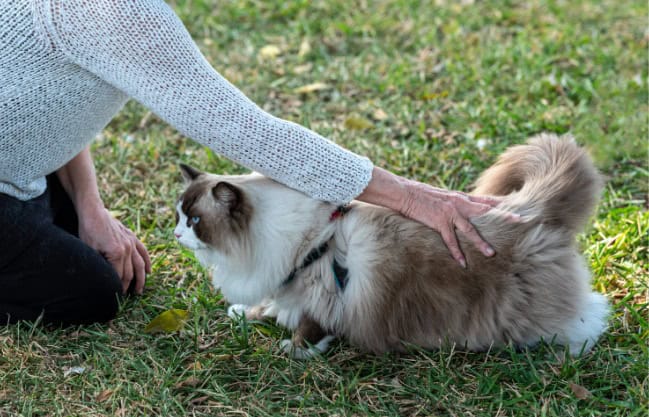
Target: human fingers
(135,262)
(470,209)
(508,215)
(450,240)
(138,247)
(483,199)
(128,265)
(491,203)
(138,261)
(141,249)
(113,251)
(470,232)
(139,270)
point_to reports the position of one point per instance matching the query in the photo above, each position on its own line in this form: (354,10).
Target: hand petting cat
(442,210)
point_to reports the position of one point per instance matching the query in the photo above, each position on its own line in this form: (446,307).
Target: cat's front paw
(237,311)
(302,353)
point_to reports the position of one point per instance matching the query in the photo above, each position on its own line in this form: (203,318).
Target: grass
(432,92)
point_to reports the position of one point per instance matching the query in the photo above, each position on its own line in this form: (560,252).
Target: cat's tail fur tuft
(549,179)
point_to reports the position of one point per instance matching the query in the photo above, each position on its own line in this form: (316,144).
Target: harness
(341,274)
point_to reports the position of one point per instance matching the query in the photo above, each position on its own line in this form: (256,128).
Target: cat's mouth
(192,244)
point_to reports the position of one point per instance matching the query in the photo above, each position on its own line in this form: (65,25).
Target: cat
(384,282)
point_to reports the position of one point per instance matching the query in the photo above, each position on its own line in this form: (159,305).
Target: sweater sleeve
(142,48)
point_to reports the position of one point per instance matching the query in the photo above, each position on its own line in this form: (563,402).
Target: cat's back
(401,241)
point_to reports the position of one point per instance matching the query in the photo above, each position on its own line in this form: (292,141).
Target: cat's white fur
(248,277)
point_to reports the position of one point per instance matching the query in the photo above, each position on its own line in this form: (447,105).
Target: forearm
(79,181)
(385,189)
(119,41)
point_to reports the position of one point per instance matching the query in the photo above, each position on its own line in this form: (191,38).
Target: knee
(102,294)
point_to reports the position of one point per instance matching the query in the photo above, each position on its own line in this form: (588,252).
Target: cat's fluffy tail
(554,185)
(549,179)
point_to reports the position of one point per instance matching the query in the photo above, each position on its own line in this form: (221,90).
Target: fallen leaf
(199,400)
(208,345)
(357,123)
(432,96)
(189,382)
(168,321)
(305,48)
(579,391)
(269,52)
(77,334)
(301,69)
(144,122)
(379,115)
(74,370)
(310,88)
(195,366)
(104,395)
(117,213)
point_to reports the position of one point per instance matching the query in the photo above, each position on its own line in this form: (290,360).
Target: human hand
(442,210)
(445,211)
(118,245)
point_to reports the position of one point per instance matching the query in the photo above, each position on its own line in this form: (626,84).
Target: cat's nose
(177,235)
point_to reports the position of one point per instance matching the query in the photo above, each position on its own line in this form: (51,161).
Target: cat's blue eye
(196,219)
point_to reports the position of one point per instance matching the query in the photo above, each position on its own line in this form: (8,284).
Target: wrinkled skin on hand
(119,246)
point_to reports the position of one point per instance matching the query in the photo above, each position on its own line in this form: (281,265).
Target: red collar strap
(339,212)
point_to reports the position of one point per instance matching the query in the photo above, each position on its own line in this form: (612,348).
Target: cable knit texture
(68,66)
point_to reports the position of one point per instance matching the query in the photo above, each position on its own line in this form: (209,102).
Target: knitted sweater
(68,66)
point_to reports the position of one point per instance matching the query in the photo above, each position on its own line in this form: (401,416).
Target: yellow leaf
(310,88)
(357,123)
(168,321)
(269,52)
(433,96)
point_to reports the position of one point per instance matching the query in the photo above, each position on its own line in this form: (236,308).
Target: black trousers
(46,269)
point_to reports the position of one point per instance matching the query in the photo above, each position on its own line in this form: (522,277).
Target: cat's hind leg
(309,339)
(583,331)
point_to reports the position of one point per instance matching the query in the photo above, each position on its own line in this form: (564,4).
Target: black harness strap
(311,257)
(341,274)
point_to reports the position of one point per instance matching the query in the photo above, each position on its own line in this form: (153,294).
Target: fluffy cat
(382,281)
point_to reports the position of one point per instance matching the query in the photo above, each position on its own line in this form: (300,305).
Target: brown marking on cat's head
(189,173)
(222,207)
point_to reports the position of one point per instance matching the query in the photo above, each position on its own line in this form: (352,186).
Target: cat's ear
(227,194)
(189,173)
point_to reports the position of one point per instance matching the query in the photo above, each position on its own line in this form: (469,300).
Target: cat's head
(211,211)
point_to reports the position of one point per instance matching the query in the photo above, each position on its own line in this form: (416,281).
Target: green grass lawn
(433,90)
